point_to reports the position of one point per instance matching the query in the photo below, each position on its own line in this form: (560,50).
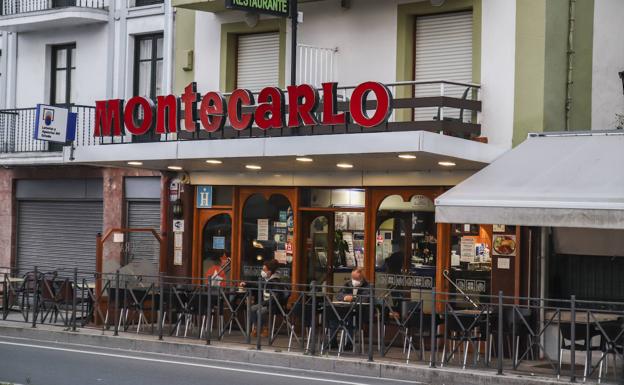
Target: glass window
(63,74)
(405,243)
(148,65)
(267,234)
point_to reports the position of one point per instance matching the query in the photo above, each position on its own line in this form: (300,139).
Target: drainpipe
(570,56)
(169,31)
(543,273)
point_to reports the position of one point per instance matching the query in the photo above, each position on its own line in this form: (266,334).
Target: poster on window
(263,229)
(504,245)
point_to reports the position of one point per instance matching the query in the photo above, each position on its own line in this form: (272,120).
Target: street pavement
(26,361)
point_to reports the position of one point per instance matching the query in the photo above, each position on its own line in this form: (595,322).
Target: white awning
(564,180)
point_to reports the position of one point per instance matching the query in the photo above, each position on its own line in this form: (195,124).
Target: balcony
(37,15)
(18,147)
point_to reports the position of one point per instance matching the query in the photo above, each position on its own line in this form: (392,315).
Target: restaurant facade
(348,182)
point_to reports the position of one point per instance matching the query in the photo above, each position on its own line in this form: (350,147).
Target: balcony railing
(15,7)
(17,128)
(441,106)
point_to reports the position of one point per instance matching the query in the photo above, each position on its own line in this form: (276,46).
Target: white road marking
(198,365)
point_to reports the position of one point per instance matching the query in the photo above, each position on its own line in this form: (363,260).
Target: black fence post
(161,306)
(312,339)
(35,298)
(5,295)
(259,316)
(434,327)
(116,327)
(209,312)
(499,335)
(73,288)
(371,320)
(248,325)
(573,338)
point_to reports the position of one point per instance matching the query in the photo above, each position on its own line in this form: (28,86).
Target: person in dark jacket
(270,284)
(358,285)
(353,291)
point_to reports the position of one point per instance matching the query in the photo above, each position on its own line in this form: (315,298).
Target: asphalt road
(24,361)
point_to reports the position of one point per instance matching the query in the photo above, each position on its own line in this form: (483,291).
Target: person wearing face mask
(356,288)
(353,287)
(270,278)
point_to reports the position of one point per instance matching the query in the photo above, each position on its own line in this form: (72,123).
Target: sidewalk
(268,356)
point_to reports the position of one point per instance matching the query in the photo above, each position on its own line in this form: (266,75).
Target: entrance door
(317,251)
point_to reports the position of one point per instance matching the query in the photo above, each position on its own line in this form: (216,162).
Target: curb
(386,370)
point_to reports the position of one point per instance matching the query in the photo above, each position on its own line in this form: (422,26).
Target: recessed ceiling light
(407,156)
(135,163)
(175,168)
(213,161)
(253,167)
(304,159)
(344,165)
(446,163)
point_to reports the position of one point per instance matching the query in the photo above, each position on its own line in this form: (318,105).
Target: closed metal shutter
(257,61)
(143,247)
(58,235)
(443,52)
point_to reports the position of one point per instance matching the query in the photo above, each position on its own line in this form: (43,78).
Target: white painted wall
(4,45)
(33,64)
(498,52)
(608,60)
(366,38)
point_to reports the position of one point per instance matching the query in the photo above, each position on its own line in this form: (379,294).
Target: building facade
(469,79)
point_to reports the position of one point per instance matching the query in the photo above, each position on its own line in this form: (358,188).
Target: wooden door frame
(242,194)
(201,218)
(306,216)
(374,197)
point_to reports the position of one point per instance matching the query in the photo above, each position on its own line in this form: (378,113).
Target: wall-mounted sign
(174,190)
(269,109)
(218,243)
(204,197)
(178,225)
(54,124)
(272,7)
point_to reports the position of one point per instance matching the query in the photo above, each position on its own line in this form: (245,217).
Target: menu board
(467,249)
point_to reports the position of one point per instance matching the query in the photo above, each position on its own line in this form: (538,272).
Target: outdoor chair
(583,341)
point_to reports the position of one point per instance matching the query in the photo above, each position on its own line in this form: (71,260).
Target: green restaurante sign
(275,7)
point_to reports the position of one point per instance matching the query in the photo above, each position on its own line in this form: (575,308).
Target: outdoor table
(581,316)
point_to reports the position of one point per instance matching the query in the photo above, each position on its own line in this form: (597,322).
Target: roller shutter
(257,64)
(58,235)
(443,52)
(143,246)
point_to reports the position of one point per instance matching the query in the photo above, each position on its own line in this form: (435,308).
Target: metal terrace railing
(567,339)
(15,7)
(17,128)
(447,107)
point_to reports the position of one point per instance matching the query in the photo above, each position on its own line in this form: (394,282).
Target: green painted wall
(406,17)
(542,65)
(229,40)
(184,41)
(580,118)
(530,60)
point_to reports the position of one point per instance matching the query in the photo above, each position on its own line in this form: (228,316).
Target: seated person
(270,278)
(218,270)
(358,285)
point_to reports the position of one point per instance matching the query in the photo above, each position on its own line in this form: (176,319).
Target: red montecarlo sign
(271,110)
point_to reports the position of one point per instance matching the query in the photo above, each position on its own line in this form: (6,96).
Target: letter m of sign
(108,117)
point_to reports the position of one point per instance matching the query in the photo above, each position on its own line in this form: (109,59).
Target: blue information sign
(204,197)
